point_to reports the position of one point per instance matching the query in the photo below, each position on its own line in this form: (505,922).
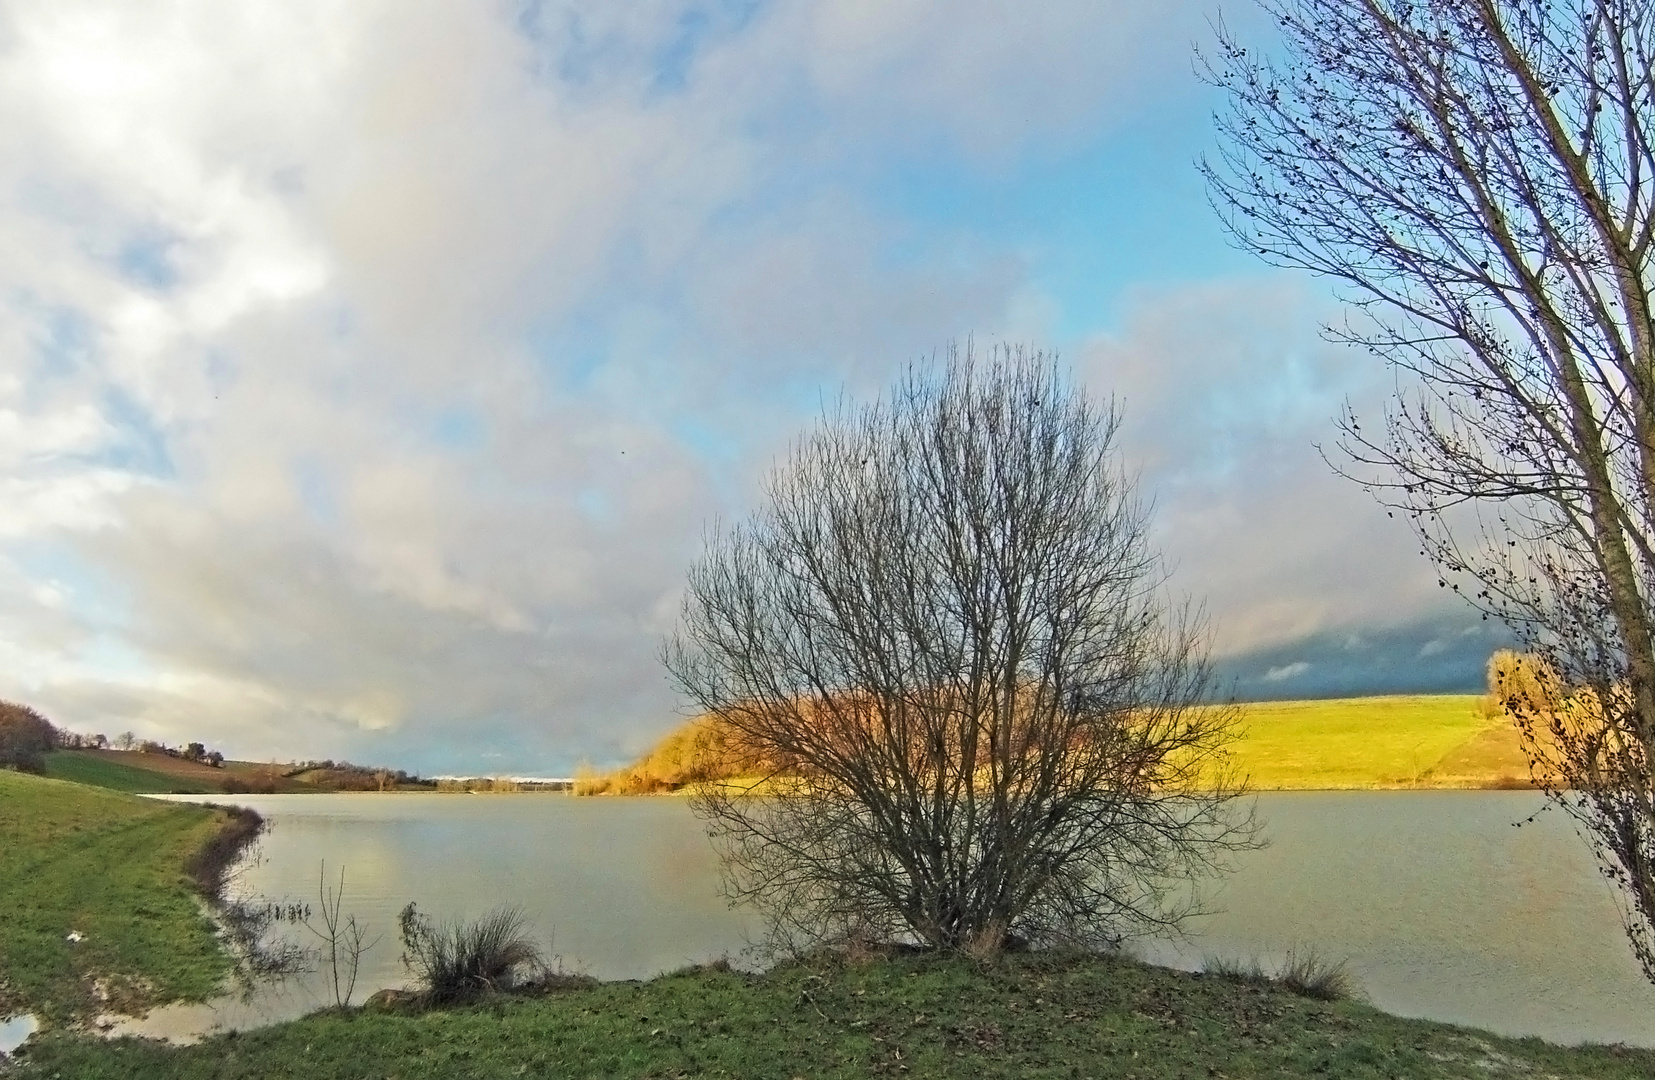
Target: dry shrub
(591,784)
(1520,683)
(1309,975)
(1304,973)
(459,960)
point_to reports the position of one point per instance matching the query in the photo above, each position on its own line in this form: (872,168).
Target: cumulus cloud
(1230,397)
(368,370)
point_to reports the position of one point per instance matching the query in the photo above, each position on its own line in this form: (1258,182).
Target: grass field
(1029,1016)
(1422,741)
(110,866)
(131,771)
(1378,742)
(85,767)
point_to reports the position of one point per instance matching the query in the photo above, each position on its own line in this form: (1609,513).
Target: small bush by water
(1303,972)
(459,960)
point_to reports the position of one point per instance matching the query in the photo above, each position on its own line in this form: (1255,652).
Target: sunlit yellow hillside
(1432,741)
(1439,740)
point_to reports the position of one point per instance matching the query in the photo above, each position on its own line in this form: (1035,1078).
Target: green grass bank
(116,870)
(1028,1016)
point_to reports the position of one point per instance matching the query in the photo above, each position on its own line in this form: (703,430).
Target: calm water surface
(1443,908)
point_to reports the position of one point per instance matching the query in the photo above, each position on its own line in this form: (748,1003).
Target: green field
(82,768)
(111,867)
(1030,1015)
(1378,742)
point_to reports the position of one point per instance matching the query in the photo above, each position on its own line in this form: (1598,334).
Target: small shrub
(1304,973)
(1221,967)
(459,960)
(1308,975)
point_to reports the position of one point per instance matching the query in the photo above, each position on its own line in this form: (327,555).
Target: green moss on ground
(110,867)
(1023,1016)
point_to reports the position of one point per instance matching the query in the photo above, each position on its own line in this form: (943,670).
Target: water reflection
(15,1031)
(613,888)
(1443,908)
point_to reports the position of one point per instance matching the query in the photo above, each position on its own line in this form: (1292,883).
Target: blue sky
(370,371)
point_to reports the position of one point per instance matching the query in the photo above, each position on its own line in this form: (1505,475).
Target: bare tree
(944,643)
(344,940)
(1480,174)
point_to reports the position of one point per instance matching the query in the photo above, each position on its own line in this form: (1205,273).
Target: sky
(371,371)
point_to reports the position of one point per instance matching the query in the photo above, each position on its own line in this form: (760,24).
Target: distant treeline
(345,776)
(478,785)
(699,751)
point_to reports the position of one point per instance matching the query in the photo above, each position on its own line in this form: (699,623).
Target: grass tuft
(1303,972)
(1233,970)
(1309,975)
(460,960)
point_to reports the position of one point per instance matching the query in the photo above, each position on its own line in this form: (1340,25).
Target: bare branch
(1479,174)
(945,644)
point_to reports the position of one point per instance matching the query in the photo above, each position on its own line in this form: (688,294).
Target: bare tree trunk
(1481,175)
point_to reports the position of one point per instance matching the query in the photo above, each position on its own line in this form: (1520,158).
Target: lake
(1441,906)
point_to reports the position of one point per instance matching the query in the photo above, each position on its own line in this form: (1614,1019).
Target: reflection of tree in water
(264,956)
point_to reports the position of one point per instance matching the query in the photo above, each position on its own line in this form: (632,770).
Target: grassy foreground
(1023,1016)
(111,868)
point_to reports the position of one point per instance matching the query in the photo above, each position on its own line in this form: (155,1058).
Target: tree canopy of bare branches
(945,637)
(1480,176)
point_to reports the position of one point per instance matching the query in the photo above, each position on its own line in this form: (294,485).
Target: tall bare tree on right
(1479,175)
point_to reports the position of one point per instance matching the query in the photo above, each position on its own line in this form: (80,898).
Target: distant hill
(158,773)
(1367,743)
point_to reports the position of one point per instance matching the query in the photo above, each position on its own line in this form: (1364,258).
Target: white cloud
(1230,400)
(368,369)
